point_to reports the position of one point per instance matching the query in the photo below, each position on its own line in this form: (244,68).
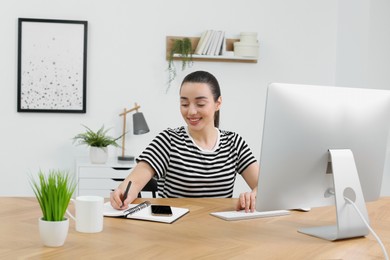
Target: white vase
(98,154)
(53,233)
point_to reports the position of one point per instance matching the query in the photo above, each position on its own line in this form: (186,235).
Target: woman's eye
(201,105)
(184,105)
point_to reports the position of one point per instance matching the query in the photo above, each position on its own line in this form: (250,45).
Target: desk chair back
(151,186)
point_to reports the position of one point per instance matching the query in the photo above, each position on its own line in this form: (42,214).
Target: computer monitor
(320,141)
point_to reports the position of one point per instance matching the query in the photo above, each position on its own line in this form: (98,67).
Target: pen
(126,192)
(137,208)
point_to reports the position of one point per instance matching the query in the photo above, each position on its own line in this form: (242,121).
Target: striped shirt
(185,170)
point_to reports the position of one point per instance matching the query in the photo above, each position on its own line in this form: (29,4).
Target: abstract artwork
(52,57)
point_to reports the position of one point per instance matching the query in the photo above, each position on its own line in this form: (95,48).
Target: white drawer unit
(100,179)
(104,172)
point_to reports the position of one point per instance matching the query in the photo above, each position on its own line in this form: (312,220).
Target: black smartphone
(161,210)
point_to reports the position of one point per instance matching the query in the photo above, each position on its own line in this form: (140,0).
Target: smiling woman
(198,160)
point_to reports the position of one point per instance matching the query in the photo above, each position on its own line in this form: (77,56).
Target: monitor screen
(302,123)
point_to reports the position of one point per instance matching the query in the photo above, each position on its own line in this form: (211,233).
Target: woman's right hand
(116,200)
(141,174)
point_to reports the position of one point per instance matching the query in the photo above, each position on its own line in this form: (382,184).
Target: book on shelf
(213,44)
(144,213)
(223,48)
(202,42)
(208,43)
(218,49)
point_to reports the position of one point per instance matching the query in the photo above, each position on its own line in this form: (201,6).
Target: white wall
(300,42)
(363,53)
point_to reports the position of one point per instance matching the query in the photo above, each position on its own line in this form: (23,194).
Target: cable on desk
(369,227)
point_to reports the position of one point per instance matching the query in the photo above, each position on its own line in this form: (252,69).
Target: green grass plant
(53,192)
(96,139)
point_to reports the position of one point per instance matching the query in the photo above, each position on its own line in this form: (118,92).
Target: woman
(197,160)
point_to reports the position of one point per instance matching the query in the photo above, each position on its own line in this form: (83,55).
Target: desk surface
(196,235)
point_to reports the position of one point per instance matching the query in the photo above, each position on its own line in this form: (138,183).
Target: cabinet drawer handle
(121,169)
(117,179)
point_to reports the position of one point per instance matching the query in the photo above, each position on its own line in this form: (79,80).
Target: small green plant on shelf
(183,47)
(96,139)
(53,192)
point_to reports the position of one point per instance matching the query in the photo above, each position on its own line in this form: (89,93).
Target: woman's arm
(247,200)
(139,177)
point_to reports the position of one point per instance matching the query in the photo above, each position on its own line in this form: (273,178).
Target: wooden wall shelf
(195,40)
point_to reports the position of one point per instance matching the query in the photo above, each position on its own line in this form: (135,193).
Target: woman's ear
(218,103)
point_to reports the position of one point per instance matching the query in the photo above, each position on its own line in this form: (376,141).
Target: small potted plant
(183,47)
(53,192)
(98,142)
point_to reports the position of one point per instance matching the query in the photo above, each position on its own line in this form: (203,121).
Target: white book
(223,49)
(218,49)
(144,214)
(208,42)
(204,42)
(200,43)
(213,44)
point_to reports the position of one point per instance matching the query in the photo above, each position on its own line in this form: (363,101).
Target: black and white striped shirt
(185,170)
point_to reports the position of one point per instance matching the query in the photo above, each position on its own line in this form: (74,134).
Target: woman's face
(197,105)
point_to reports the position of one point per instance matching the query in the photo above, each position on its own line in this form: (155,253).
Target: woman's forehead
(195,89)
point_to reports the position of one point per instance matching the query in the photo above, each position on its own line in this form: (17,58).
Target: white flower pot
(53,233)
(98,154)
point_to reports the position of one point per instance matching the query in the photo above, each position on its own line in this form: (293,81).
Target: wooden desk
(195,236)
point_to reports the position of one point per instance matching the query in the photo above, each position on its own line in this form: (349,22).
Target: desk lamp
(139,127)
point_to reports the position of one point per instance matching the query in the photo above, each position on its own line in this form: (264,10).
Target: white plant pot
(98,154)
(53,233)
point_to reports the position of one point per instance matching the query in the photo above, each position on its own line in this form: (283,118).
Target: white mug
(88,213)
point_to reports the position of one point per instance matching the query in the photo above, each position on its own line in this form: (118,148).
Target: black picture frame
(52,65)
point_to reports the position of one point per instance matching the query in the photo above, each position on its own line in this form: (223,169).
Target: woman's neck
(206,139)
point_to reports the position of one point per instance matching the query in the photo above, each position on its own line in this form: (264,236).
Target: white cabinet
(100,179)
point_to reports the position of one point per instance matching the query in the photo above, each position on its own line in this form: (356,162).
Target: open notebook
(144,214)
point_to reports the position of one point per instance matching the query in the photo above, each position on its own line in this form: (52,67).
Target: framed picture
(52,65)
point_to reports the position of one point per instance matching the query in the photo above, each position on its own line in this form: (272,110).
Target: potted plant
(98,142)
(183,47)
(53,192)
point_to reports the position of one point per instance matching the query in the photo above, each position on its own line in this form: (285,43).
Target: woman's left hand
(247,201)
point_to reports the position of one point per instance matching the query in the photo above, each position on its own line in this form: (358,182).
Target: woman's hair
(211,81)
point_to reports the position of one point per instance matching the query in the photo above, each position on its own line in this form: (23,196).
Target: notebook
(144,214)
(242,215)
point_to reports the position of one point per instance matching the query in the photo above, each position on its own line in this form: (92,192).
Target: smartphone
(161,210)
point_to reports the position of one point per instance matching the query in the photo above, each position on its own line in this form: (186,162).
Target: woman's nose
(192,110)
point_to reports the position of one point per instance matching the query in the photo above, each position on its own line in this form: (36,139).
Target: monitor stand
(346,184)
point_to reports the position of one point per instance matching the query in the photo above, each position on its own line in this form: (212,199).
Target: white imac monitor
(321,144)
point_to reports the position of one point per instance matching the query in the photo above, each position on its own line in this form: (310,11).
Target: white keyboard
(242,215)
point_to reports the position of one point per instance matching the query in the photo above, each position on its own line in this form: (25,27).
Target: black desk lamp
(139,127)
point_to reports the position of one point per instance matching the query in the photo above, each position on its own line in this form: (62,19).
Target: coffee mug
(88,213)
